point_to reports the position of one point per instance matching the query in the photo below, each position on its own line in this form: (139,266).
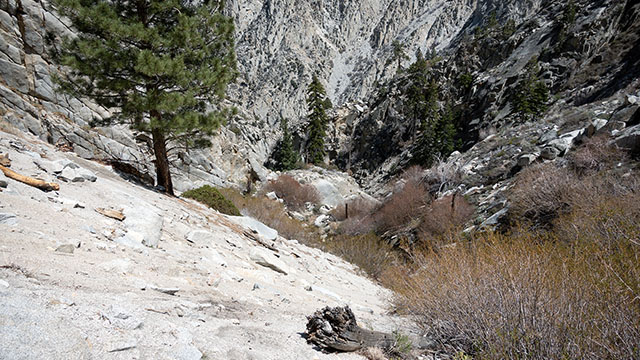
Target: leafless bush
(571,292)
(293,194)
(443,175)
(402,207)
(594,155)
(505,298)
(540,194)
(443,220)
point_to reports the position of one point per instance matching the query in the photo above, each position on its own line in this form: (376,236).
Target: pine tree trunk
(163,175)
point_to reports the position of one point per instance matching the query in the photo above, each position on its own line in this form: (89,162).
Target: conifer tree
(532,94)
(316,104)
(158,65)
(285,157)
(399,53)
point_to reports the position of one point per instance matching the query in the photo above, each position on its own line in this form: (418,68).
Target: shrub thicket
(211,197)
(292,192)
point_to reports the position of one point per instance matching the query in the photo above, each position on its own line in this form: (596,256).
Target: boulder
(329,193)
(549,153)
(8,219)
(144,227)
(256,226)
(629,139)
(526,160)
(267,259)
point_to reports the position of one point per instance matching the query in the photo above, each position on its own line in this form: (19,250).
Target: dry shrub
(402,208)
(443,220)
(361,219)
(540,194)
(293,194)
(572,292)
(521,298)
(369,252)
(358,225)
(358,208)
(443,175)
(273,214)
(373,353)
(595,155)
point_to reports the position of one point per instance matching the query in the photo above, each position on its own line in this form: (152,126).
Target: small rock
(127,345)
(256,286)
(8,219)
(214,280)
(322,221)
(168,291)
(199,236)
(69,174)
(89,229)
(549,153)
(548,136)
(66,248)
(633,100)
(3,180)
(324,209)
(87,175)
(267,259)
(187,352)
(272,196)
(526,160)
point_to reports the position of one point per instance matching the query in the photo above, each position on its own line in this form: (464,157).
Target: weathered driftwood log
(114,214)
(40,184)
(335,329)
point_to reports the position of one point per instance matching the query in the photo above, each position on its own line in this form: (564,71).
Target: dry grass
(369,252)
(273,214)
(373,353)
(293,194)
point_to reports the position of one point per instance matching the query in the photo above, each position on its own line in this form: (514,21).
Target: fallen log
(114,214)
(40,184)
(336,329)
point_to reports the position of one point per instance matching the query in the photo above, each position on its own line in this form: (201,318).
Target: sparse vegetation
(211,197)
(293,194)
(273,214)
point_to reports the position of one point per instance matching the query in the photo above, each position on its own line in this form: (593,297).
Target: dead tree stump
(336,329)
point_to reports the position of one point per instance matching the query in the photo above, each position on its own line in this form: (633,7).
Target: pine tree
(157,64)
(532,95)
(316,104)
(285,157)
(399,53)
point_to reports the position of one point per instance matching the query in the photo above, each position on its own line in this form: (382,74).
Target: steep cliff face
(281,43)
(583,61)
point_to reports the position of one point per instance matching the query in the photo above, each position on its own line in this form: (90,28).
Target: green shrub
(211,197)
